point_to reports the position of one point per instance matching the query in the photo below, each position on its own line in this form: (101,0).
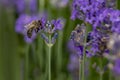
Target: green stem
(49,58)
(110,72)
(41,5)
(110,75)
(101,74)
(27,63)
(49,64)
(117,6)
(59,52)
(79,69)
(41,46)
(101,77)
(83,65)
(84,56)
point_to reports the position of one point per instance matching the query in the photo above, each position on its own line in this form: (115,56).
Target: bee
(35,25)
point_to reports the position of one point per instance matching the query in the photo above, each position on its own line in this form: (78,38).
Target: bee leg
(36,30)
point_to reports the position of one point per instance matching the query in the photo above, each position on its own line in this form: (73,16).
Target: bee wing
(27,26)
(26,29)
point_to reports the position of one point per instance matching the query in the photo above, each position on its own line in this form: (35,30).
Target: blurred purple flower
(74,62)
(23,5)
(21,22)
(33,6)
(20,5)
(116,67)
(73,66)
(7,3)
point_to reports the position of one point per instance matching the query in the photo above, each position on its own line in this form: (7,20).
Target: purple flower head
(76,12)
(76,43)
(53,25)
(97,14)
(58,24)
(21,22)
(89,9)
(102,31)
(43,20)
(98,43)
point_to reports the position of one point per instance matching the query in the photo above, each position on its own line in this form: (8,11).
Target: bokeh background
(20,60)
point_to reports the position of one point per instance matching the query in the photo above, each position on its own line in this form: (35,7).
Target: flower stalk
(101,72)
(49,58)
(84,56)
(80,69)
(27,63)
(110,72)
(110,75)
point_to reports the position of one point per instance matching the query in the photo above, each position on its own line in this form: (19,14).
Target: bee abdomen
(29,33)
